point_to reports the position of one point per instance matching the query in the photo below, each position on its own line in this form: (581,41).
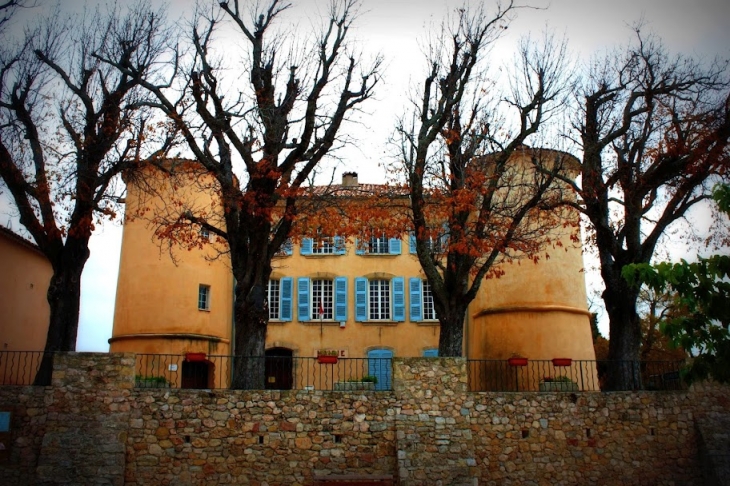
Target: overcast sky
(394,28)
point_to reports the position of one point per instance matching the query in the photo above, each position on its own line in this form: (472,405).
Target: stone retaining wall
(93,427)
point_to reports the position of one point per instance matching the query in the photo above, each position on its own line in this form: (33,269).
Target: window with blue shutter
(414,287)
(306,246)
(412,242)
(394,246)
(341,299)
(339,245)
(303,299)
(399,299)
(285,312)
(361,299)
(359,249)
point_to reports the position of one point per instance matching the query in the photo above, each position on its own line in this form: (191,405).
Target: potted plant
(517,360)
(562,361)
(141,381)
(367,382)
(560,383)
(327,356)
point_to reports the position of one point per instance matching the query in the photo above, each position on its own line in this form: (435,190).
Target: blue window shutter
(286,247)
(306,246)
(394,246)
(415,295)
(286,298)
(358,250)
(399,299)
(303,299)
(341,299)
(361,299)
(431,353)
(412,242)
(339,245)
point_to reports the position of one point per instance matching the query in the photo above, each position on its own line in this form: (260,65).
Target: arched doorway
(279,369)
(379,366)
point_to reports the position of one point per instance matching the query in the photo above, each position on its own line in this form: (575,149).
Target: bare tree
(67,130)
(654,133)
(277,118)
(478,194)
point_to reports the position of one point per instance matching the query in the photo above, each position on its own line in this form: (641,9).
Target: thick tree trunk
(624,346)
(451,335)
(64,296)
(251,318)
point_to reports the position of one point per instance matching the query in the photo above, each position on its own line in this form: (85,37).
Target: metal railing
(574,375)
(281,372)
(21,367)
(347,374)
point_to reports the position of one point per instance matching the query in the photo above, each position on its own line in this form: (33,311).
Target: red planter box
(562,361)
(517,361)
(327,359)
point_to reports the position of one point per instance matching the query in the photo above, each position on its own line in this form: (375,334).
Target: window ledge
(426,323)
(379,254)
(323,255)
(380,323)
(203,310)
(324,322)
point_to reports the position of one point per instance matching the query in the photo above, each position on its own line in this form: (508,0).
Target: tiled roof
(359,190)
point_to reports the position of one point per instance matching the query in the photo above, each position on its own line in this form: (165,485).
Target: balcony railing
(573,375)
(348,374)
(21,367)
(281,372)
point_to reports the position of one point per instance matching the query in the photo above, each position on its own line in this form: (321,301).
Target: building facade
(24,309)
(360,299)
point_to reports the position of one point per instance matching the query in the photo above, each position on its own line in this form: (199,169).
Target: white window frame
(380,299)
(427,307)
(379,245)
(273,298)
(323,245)
(322,292)
(204,233)
(204,297)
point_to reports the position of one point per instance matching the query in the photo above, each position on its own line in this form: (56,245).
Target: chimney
(349,179)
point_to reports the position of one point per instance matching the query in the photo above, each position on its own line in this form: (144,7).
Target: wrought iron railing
(281,372)
(573,375)
(346,374)
(21,367)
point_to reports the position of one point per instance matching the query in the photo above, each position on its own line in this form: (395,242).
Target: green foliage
(560,378)
(702,289)
(364,379)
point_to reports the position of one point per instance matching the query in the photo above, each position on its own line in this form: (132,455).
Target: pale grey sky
(394,27)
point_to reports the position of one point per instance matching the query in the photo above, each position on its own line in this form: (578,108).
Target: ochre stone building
(364,299)
(24,277)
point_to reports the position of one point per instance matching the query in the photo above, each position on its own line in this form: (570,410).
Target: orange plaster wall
(158,294)
(356,338)
(24,310)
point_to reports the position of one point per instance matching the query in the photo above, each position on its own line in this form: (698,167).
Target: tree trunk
(64,296)
(623,372)
(451,335)
(251,318)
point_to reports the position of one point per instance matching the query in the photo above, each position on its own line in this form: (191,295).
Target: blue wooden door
(379,366)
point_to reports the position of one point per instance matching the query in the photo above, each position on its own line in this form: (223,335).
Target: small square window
(204,233)
(204,297)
